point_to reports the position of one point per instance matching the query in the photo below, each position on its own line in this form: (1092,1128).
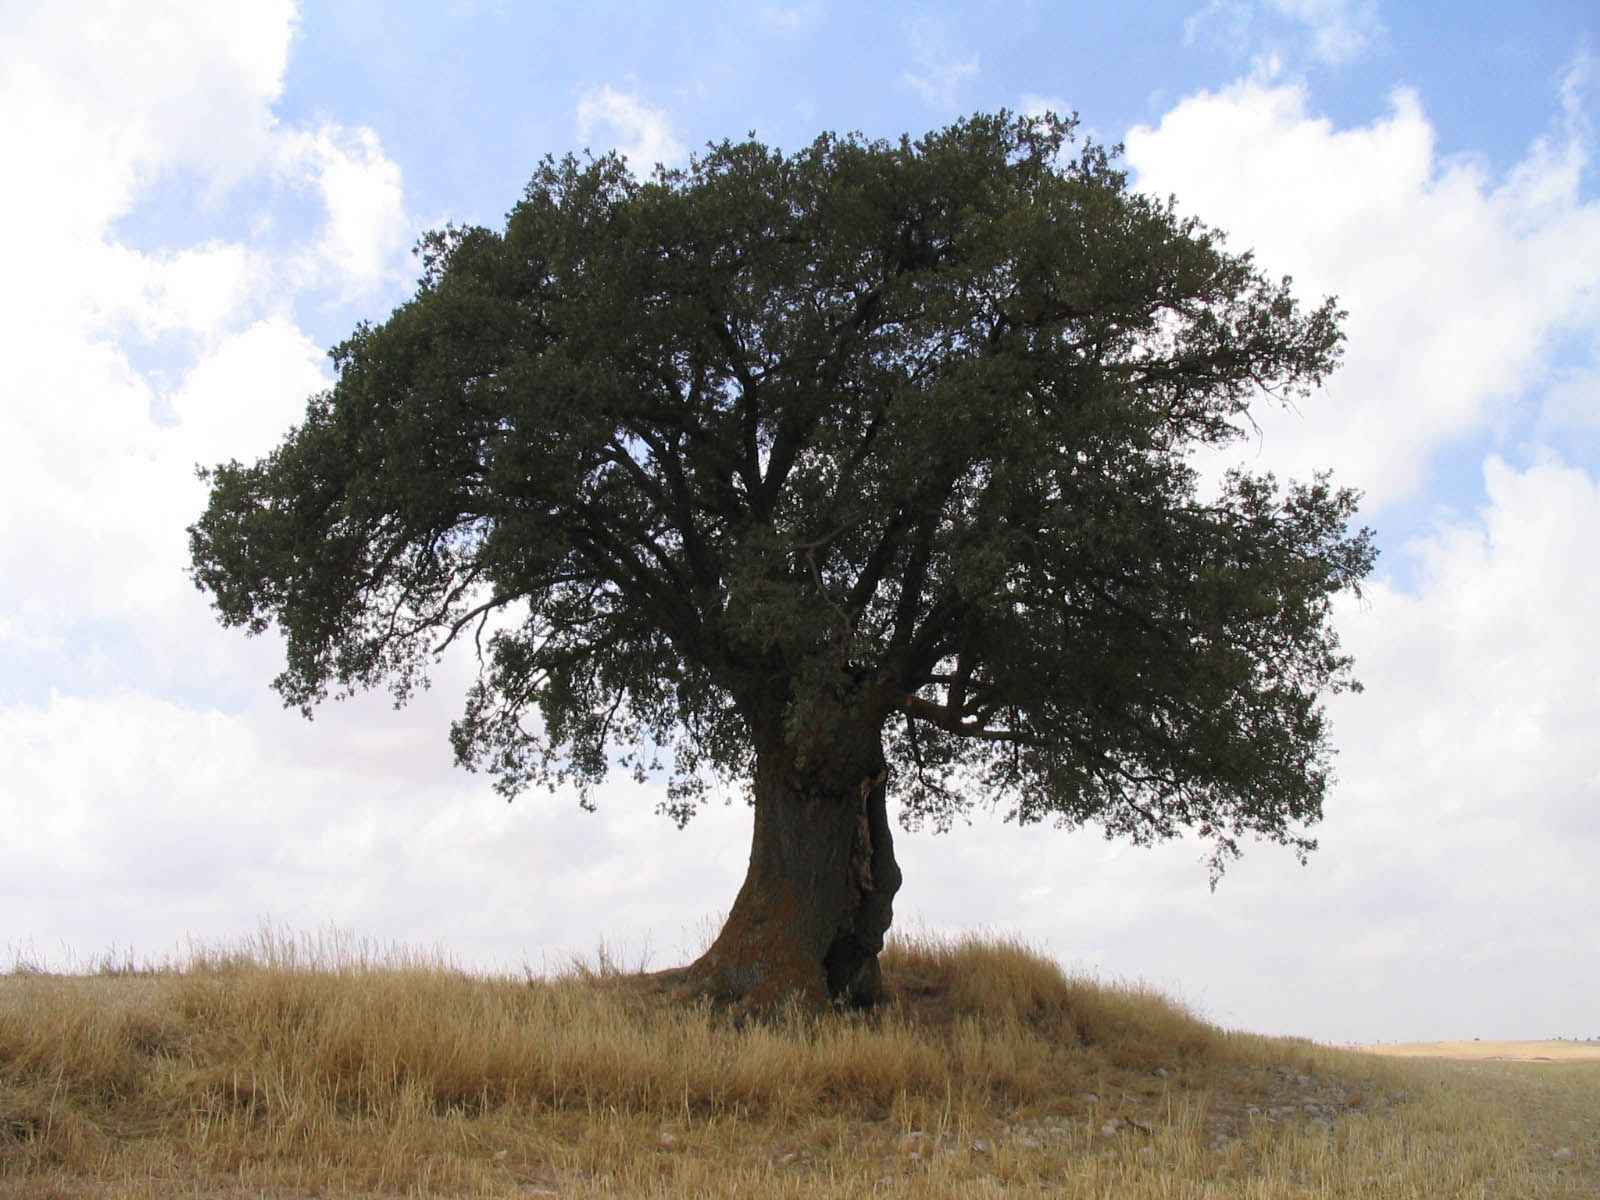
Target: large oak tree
(859,468)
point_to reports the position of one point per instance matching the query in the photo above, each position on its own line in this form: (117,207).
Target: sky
(202,197)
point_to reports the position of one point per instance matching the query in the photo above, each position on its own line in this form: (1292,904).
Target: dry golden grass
(314,1067)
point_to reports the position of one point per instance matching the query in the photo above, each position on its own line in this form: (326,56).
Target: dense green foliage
(898,430)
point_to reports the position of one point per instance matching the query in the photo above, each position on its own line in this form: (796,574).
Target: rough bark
(818,896)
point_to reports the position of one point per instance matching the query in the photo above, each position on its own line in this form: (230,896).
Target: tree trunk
(817,898)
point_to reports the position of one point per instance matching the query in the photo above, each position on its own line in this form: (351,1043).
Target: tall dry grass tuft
(321,1063)
(998,978)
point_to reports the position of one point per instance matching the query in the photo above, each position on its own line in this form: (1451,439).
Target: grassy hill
(303,1068)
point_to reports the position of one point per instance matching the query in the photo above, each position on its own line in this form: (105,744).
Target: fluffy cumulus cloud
(641,133)
(367,226)
(100,96)
(1457,283)
(105,100)
(102,492)
(98,452)
(1493,658)
(239,399)
(1471,776)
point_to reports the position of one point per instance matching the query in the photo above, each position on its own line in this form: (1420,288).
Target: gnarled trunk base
(818,897)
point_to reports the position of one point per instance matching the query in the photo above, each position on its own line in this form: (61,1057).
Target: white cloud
(367,231)
(1470,762)
(1491,659)
(98,480)
(643,134)
(239,400)
(941,71)
(102,100)
(1334,32)
(1455,284)
(99,495)
(99,96)
(140,821)
(112,795)
(73,461)
(202,289)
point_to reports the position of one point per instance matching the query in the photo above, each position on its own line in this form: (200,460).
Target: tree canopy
(889,434)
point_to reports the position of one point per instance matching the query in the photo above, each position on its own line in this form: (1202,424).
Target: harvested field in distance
(303,1068)
(1475,1051)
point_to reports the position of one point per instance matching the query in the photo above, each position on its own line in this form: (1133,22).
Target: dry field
(1481,1051)
(310,1068)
